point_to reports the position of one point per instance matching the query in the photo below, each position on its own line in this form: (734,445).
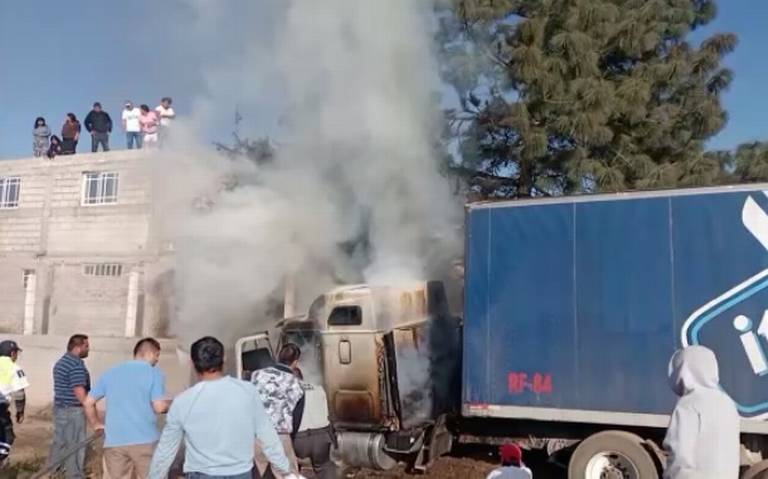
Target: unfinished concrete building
(79,250)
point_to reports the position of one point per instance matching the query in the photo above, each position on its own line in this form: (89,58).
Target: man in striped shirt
(71,384)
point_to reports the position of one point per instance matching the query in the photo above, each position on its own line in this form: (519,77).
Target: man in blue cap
(13,381)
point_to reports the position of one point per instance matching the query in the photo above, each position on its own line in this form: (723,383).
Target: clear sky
(59,57)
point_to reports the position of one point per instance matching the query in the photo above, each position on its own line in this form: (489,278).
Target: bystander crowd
(218,418)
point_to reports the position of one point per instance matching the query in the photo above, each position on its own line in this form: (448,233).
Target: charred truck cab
(389,359)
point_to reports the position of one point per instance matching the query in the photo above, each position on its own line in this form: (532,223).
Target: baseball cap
(7,347)
(511,454)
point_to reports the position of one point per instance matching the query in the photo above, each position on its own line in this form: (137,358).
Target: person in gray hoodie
(40,135)
(703,435)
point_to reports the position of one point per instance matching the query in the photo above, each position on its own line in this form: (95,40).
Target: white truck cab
(388,358)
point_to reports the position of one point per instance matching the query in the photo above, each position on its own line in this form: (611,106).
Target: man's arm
(160,403)
(298,414)
(161,406)
(19,383)
(20,400)
(89,122)
(167,447)
(89,407)
(109,123)
(296,398)
(81,394)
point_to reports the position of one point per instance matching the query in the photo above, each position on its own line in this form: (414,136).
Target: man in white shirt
(512,466)
(132,125)
(314,438)
(165,112)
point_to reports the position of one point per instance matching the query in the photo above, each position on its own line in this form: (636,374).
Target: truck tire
(757,471)
(612,455)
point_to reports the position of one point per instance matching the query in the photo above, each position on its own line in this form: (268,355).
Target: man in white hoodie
(703,435)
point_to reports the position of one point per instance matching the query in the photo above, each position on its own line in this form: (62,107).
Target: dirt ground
(33,439)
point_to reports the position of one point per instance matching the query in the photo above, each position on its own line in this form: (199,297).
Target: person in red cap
(512,466)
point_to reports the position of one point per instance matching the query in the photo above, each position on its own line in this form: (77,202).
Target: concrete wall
(53,234)
(41,353)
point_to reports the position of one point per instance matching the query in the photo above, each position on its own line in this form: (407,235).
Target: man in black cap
(13,381)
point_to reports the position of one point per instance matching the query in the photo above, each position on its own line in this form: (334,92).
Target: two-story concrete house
(78,247)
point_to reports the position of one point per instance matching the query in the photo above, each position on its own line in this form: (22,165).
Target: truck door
(253,353)
(353,363)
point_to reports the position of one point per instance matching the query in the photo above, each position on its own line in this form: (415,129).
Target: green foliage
(570,96)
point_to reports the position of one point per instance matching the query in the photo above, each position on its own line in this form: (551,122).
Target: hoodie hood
(692,368)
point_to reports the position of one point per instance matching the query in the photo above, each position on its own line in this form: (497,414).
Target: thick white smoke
(354,193)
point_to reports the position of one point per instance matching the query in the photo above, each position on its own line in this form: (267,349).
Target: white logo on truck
(755,220)
(752,331)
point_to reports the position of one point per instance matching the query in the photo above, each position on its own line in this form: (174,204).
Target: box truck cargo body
(574,306)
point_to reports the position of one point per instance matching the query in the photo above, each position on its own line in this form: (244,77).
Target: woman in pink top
(150,124)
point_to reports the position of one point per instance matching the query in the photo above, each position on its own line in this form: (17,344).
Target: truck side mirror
(345,351)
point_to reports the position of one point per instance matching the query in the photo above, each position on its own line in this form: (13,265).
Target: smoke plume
(353,193)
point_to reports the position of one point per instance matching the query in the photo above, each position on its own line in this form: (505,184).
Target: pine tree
(570,96)
(750,162)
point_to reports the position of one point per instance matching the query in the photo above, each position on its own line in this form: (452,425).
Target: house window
(99,188)
(9,192)
(103,269)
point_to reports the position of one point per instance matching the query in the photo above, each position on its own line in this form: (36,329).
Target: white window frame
(102,179)
(6,202)
(103,270)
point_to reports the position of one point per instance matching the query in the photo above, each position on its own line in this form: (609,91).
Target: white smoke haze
(354,82)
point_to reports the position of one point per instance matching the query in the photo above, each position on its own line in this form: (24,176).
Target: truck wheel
(612,455)
(757,471)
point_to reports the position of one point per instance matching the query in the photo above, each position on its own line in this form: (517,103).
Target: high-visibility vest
(12,378)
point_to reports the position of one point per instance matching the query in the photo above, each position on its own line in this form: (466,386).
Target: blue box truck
(574,306)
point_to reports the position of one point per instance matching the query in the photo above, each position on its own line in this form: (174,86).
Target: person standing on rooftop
(150,124)
(99,125)
(41,135)
(132,125)
(167,116)
(70,135)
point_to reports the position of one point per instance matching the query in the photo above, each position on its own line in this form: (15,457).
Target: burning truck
(389,359)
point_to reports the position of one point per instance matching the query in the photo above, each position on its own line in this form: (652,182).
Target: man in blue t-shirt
(135,394)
